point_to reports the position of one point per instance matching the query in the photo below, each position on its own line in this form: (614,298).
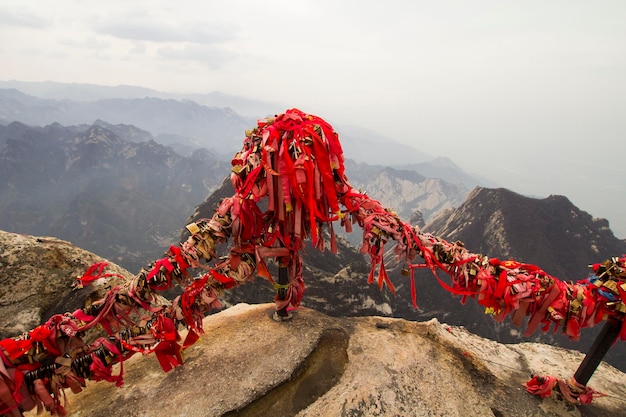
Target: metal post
(596,352)
(283,282)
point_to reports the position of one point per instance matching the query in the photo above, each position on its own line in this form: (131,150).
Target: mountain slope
(123,200)
(549,232)
(405,191)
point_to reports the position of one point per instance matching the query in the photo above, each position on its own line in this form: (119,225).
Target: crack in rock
(319,372)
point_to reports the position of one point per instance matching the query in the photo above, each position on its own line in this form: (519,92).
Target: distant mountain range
(185,122)
(93,92)
(111,189)
(218,129)
(122,199)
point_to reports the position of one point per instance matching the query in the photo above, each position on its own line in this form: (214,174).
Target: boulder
(37,274)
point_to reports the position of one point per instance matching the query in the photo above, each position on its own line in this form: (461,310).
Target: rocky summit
(247,364)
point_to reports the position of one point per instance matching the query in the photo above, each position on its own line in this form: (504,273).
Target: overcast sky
(531,94)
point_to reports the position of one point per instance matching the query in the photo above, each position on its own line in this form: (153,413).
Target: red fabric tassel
(541,386)
(168,355)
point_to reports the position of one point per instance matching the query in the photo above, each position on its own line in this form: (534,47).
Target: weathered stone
(36,277)
(247,364)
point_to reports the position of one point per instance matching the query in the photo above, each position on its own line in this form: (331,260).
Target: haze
(529,94)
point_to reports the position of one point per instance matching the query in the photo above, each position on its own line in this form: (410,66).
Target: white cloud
(162,32)
(23,18)
(488,83)
(206,55)
(88,42)
(138,48)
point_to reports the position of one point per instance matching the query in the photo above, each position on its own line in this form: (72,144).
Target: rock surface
(314,365)
(36,277)
(247,364)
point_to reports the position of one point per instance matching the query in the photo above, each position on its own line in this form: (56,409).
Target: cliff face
(406,191)
(246,364)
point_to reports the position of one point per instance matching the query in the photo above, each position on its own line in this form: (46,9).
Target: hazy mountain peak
(444,162)
(403,174)
(203,154)
(97,133)
(535,230)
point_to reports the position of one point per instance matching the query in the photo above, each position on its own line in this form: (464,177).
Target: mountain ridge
(488,212)
(166,115)
(87,185)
